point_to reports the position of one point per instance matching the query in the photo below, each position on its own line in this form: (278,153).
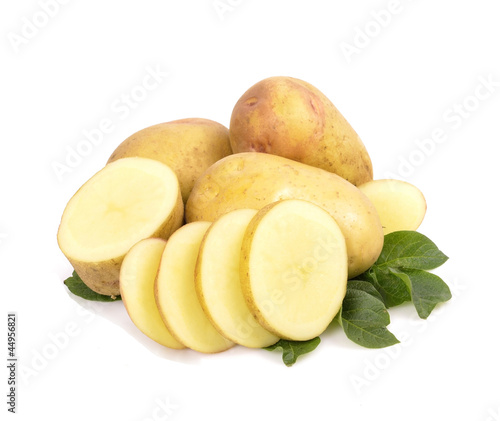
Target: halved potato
(217,281)
(137,278)
(400,205)
(125,202)
(293,268)
(176,295)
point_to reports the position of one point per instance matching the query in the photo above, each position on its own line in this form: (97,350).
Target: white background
(429,67)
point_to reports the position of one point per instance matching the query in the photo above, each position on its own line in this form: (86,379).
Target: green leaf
(409,250)
(400,273)
(364,317)
(294,349)
(78,287)
(393,289)
(427,290)
(364,286)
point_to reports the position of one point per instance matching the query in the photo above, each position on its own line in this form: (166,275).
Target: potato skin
(253,180)
(188,146)
(291,118)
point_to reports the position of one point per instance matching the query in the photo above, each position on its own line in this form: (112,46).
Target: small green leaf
(364,286)
(392,288)
(364,318)
(427,290)
(400,273)
(78,287)
(409,250)
(294,349)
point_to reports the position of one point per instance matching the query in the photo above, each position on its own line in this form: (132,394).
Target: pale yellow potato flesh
(125,202)
(137,278)
(217,280)
(400,205)
(293,269)
(176,296)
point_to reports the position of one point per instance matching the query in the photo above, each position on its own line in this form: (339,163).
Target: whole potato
(291,118)
(188,146)
(253,180)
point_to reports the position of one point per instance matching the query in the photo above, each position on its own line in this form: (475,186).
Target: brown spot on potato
(251,101)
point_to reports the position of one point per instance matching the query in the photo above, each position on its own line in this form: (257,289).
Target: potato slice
(217,281)
(125,202)
(400,205)
(293,268)
(176,295)
(137,278)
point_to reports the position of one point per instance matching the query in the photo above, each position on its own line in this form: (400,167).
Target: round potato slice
(176,296)
(293,268)
(400,205)
(137,278)
(217,280)
(125,202)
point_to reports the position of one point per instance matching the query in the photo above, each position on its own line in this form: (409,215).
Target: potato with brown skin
(188,146)
(253,180)
(291,118)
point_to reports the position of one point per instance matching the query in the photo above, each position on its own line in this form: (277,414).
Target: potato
(400,205)
(176,296)
(125,202)
(289,117)
(293,268)
(253,180)
(217,281)
(188,146)
(137,279)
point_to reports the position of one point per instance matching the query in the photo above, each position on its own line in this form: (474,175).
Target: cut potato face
(217,280)
(293,268)
(400,205)
(176,295)
(137,278)
(125,202)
